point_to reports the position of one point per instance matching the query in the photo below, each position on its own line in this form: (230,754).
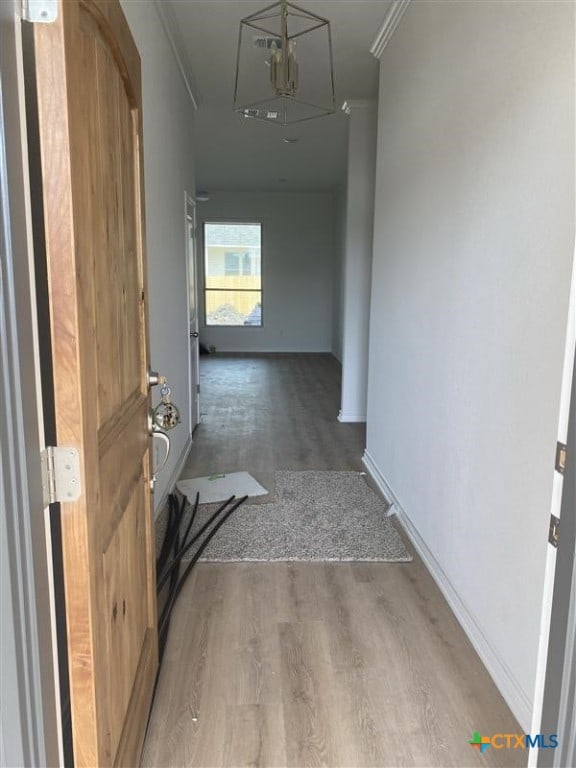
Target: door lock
(156,432)
(152,378)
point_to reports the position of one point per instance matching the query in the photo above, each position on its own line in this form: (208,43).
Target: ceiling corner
(170,27)
(389,25)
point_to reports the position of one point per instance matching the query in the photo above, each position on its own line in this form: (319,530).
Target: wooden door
(90,126)
(194,347)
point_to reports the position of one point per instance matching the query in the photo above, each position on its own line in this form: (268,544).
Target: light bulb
(275,66)
(292,69)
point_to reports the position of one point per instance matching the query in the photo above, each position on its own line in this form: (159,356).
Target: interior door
(89,122)
(193,313)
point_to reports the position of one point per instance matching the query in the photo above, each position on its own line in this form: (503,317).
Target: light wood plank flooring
(273,412)
(311,664)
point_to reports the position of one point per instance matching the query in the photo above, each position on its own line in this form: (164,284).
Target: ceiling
(237,153)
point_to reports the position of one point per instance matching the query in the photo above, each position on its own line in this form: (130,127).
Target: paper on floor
(220,487)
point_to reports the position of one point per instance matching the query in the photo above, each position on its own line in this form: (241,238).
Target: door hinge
(560,457)
(40,11)
(60,474)
(554,532)
(198,388)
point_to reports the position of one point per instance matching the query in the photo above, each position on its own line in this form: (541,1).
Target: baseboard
(279,353)
(348,417)
(498,670)
(382,484)
(173,478)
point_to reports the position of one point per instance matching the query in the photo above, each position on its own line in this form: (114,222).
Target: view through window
(233,273)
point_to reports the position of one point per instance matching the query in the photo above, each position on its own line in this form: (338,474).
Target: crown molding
(351,104)
(170,26)
(395,13)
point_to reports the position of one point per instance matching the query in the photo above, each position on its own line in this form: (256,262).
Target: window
(233,274)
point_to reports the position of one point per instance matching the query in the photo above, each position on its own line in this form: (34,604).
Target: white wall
(338,287)
(357,271)
(474,233)
(168,172)
(299,260)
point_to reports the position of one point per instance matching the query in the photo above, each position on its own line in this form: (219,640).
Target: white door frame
(190,210)
(556,506)
(559,708)
(30,722)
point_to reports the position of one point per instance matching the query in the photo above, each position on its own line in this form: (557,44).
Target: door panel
(124,563)
(89,104)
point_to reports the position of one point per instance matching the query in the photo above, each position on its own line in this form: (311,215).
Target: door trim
(191,209)
(555,509)
(30,719)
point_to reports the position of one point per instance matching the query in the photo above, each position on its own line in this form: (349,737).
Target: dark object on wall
(203,349)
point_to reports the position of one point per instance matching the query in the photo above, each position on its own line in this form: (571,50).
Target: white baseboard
(505,681)
(382,484)
(175,476)
(349,417)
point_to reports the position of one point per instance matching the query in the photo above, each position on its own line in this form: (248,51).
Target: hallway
(297,664)
(269,412)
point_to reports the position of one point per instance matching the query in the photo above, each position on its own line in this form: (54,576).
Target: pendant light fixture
(284,66)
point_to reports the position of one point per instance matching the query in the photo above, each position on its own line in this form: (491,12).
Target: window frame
(205,290)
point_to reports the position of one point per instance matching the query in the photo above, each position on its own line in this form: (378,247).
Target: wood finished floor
(311,664)
(273,412)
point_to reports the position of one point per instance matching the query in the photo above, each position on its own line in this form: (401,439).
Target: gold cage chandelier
(284,65)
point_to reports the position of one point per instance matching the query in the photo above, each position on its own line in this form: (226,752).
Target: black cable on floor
(186,547)
(169,606)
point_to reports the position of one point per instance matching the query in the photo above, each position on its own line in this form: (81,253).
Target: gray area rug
(316,516)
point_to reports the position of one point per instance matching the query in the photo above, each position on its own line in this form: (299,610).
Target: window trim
(205,290)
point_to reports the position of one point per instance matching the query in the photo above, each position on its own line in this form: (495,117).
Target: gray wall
(357,273)
(168,173)
(473,246)
(338,289)
(299,261)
